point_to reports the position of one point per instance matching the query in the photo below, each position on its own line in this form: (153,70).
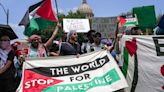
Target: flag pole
(57,13)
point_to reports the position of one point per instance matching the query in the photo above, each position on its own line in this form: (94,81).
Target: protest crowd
(13,56)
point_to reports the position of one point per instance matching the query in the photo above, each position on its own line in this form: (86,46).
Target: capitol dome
(85,9)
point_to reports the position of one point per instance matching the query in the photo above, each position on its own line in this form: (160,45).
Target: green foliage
(47,32)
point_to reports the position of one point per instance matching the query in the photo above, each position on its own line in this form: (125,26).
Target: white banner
(79,25)
(93,72)
(143,65)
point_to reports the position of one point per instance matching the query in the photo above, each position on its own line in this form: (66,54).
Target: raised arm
(116,33)
(50,41)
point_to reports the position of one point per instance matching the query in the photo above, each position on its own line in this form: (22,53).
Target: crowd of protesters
(11,62)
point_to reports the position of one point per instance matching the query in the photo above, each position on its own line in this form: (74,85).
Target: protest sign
(146,16)
(79,25)
(105,25)
(143,64)
(93,72)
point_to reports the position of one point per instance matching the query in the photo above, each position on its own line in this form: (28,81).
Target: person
(133,30)
(37,49)
(88,45)
(7,69)
(54,49)
(97,45)
(107,41)
(71,46)
(17,63)
(158,31)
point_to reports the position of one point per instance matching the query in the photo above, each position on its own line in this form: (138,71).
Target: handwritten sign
(79,25)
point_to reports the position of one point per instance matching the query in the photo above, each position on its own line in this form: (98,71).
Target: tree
(46,33)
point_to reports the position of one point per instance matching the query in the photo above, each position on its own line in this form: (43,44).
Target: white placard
(80,25)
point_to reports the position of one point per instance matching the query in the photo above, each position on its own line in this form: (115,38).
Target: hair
(7,37)
(98,34)
(89,32)
(134,28)
(69,34)
(34,36)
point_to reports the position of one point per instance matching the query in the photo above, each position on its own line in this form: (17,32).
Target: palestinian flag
(38,17)
(128,21)
(143,65)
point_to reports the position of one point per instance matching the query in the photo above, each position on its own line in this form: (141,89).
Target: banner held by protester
(143,63)
(89,73)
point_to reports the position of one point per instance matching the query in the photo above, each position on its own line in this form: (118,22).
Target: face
(134,32)
(74,37)
(97,40)
(4,42)
(35,42)
(91,37)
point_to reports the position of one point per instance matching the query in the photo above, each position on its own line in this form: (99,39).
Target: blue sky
(101,8)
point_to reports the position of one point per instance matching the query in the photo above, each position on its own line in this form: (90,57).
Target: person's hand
(78,55)
(105,47)
(118,19)
(22,59)
(59,25)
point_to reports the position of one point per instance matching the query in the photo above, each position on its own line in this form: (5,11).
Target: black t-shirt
(10,72)
(70,49)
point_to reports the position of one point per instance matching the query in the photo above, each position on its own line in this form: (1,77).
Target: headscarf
(34,37)
(69,34)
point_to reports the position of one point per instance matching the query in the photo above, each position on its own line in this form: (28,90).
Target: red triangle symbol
(34,82)
(122,21)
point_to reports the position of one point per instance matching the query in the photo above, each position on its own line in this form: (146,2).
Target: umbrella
(7,30)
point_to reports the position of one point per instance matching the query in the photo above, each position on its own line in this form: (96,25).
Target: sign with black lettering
(92,72)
